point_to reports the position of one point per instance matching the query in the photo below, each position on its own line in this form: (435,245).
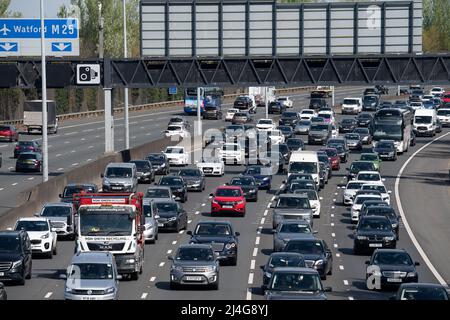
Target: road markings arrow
(8,46)
(60,46)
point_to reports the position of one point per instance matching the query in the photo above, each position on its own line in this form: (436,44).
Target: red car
(334,158)
(446,97)
(229,199)
(8,133)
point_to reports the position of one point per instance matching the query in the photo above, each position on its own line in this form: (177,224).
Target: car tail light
(17,147)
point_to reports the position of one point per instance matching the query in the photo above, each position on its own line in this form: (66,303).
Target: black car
(284,150)
(390,267)
(171,214)
(221,236)
(323,175)
(373,232)
(281,260)
(421,291)
(213,112)
(371,91)
(319,133)
(276,107)
(26,146)
(386,150)
(287,131)
(3,294)
(295,144)
(347,125)
(177,185)
(74,188)
(298,186)
(262,174)
(371,103)
(316,253)
(317,103)
(354,141)
(243,103)
(323,157)
(248,185)
(194,179)
(289,118)
(386,211)
(144,171)
(365,135)
(273,161)
(15,256)
(358,166)
(29,161)
(364,119)
(386,105)
(160,163)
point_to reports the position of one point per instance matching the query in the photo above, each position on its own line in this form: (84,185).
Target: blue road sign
(31,28)
(61,46)
(9,47)
(173,90)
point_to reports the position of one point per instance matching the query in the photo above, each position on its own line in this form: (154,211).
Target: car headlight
(266,179)
(228,246)
(45,236)
(177,268)
(162,165)
(106,182)
(240,202)
(16,264)
(411,274)
(68,290)
(110,290)
(361,237)
(391,153)
(268,275)
(314,206)
(389,238)
(394,225)
(318,262)
(172,219)
(252,191)
(130,261)
(211,269)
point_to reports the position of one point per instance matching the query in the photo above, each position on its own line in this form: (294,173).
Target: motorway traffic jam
(295,206)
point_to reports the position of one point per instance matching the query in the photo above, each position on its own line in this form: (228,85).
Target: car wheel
(50,254)
(55,251)
(29,271)
(356,250)
(21,282)
(215,285)
(134,276)
(173,286)
(323,277)
(233,261)
(331,271)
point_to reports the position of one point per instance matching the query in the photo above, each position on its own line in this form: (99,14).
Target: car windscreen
(141,165)
(382,210)
(311,194)
(228,193)
(348,121)
(361,166)
(303,167)
(90,271)
(385,145)
(55,211)
(283,281)
(424,293)
(118,172)
(265,122)
(156,158)
(352,136)
(190,173)
(289,115)
(319,127)
(293,202)
(194,254)
(287,261)
(361,131)
(171,181)
(174,150)
(422,119)
(242,182)
(354,185)
(369,157)
(377,187)
(443,112)
(294,143)
(360,200)
(211,229)
(32,226)
(374,225)
(295,228)
(9,243)
(305,247)
(157,193)
(331,152)
(350,101)
(166,207)
(174,128)
(369,176)
(392,258)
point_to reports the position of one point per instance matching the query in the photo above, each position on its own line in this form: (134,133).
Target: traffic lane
(425,193)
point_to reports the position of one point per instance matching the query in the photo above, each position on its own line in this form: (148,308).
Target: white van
(352,106)
(425,122)
(304,162)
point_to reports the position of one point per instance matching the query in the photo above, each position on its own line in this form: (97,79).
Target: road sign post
(44,99)
(22,37)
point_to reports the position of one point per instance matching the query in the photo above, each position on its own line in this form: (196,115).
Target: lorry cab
(306,162)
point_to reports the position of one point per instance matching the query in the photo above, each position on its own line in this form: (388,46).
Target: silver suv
(194,264)
(120,177)
(62,218)
(92,276)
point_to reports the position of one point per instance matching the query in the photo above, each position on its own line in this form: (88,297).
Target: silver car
(302,127)
(151,222)
(291,229)
(194,264)
(62,218)
(291,206)
(92,276)
(120,177)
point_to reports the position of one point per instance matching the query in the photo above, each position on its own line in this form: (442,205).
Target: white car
(43,237)
(444,116)
(416,105)
(436,90)
(350,190)
(232,152)
(314,200)
(230,114)
(378,186)
(177,156)
(211,167)
(328,116)
(276,136)
(369,176)
(265,124)
(286,101)
(307,114)
(176,130)
(357,204)
(351,106)
(334,131)
(427,97)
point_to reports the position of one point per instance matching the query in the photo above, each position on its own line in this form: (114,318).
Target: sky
(30,8)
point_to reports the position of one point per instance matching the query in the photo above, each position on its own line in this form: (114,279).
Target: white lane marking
(334,200)
(75,164)
(67,142)
(263,220)
(332,215)
(281,186)
(50,146)
(255,252)
(203,204)
(351,298)
(83,139)
(58,155)
(335,245)
(169,251)
(162,264)
(3,146)
(147,134)
(1,189)
(250,278)
(120,140)
(249,295)
(341,267)
(152,279)
(333,234)
(88,130)
(60,169)
(338,255)
(265,213)
(15,184)
(405,221)
(90,147)
(31,178)
(133,137)
(332,207)
(259,230)
(88,160)
(252,265)
(70,133)
(336,194)
(257,241)
(48,295)
(98,136)
(189,221)
(332,224)
(73,151)
(181,232)
(268,205)
(144,295)
(142,128)
(197,212)
(346,282)
(10,168)
(273,198)
(174,242)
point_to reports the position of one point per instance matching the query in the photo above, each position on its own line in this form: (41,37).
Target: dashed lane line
(162,264)
(255,252)
(341,267)
(152,279)
(48,295)
(338,255)
(346,282)
(174,242)
(257,241)
(144,295)
(252,265)
(263,220)
(31,178)
(169,251)
(197,212)
(249,294)
(250,278)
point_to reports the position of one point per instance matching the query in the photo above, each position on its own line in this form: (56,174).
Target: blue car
(262,175)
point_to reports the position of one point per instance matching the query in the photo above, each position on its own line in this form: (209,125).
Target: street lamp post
(44,99)
(125,108)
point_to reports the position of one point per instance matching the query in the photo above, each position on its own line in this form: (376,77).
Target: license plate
(394,280)
(227,207)
(193,278)
(375,245)
(160,224)
(2,274)
(317,139)
(116,188)
(88,298)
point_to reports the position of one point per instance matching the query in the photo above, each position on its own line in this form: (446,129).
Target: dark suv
(317,103)
(15,256)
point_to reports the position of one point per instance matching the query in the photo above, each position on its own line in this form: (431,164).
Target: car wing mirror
(170,258)
(119,277)
(60,195)
(63,276)
(417,263)
(189,232)
(327,289)
(237,234)
(102,175)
